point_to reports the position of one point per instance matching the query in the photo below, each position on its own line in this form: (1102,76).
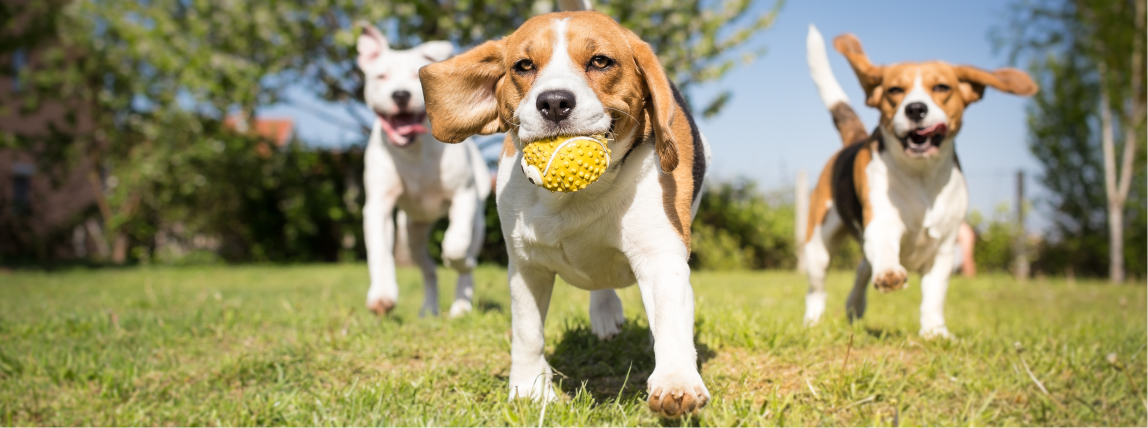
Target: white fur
(426,179)
(607,236)
(917,203)
(588,116)
(827,86)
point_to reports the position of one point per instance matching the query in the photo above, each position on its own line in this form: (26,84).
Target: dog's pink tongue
(939,128)
(401,129)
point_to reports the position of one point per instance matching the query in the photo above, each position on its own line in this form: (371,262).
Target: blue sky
(775,123)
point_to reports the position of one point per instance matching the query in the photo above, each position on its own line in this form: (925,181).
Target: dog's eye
(524,66)
(601,62)
(941,88)
(896,91)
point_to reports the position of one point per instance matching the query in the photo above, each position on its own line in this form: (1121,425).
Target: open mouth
(925,140)
(403,128)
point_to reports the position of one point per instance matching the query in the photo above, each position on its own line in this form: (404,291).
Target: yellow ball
(555,163)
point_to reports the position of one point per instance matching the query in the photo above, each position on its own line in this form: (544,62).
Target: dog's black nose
(402,98)
(916,111)
(555,105)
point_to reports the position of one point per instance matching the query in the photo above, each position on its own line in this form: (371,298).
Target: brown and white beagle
(899,191)
(574,74)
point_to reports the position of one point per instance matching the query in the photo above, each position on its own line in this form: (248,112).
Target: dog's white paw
(460,307)
(534,391)
(812,319)
(381,306)
(891,279)
(606,317)
(814,307)
(937,333)
(674,393)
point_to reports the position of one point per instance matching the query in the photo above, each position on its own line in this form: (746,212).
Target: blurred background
(205,131)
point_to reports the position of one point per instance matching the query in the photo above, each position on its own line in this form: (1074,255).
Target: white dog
(578,74)
(426,179)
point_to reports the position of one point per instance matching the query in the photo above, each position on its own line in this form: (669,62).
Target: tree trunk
(1133,115)
(1133,118)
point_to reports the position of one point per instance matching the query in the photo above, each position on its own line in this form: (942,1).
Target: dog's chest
(428,184)
(582,249)
(930,211)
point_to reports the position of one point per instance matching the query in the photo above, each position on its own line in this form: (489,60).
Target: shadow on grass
(487,306)
(609,370)
(885,333)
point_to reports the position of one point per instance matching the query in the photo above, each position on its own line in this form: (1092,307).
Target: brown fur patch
(820,199)
(678,185)
(508,148)
(848,124)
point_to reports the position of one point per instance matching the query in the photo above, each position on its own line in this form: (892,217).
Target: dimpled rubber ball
(565,164)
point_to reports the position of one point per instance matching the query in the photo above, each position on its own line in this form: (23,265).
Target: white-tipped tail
(827,86)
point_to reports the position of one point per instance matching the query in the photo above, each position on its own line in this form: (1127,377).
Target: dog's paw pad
(381,306)
(673,399)
(891,280)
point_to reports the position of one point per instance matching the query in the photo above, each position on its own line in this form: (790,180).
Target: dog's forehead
(905,73)
(583,29)
(395,60)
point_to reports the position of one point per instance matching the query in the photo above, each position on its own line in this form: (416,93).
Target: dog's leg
(817,256)
(606,315)
(418,233)
(934,285)
(855,306)
(379,231)
(460,246)
(529,300)
(675,387)
(882,247)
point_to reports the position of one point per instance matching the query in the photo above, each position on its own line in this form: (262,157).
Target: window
(22,188)
(19,61)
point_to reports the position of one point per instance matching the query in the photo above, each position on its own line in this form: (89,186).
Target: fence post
(801,212)
(1021,266)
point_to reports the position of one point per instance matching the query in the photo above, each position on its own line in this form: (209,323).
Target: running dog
(582,74)
(426,179)
(900,191)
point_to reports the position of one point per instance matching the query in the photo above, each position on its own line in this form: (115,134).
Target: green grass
(271,345)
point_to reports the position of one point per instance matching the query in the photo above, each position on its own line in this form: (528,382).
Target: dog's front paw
(459,308)
(936,333)
(606,318)
(381,305)
(533,391)
(891,279)
(675,393)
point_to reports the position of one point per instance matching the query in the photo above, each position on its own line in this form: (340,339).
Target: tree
(1089,57)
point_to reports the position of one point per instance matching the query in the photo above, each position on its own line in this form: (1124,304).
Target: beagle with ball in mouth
(900,191)
(581,76)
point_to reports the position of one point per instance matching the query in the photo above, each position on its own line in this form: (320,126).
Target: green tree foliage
(740,227)
(1087,55)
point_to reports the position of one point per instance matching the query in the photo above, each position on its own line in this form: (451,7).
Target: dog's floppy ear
(461,93)
(660,107)
(371,44)
(1008,79)
(436,51)
(870,75)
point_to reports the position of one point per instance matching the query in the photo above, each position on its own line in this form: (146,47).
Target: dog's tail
(846,120)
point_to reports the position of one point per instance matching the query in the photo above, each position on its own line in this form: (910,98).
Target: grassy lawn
(272,345)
